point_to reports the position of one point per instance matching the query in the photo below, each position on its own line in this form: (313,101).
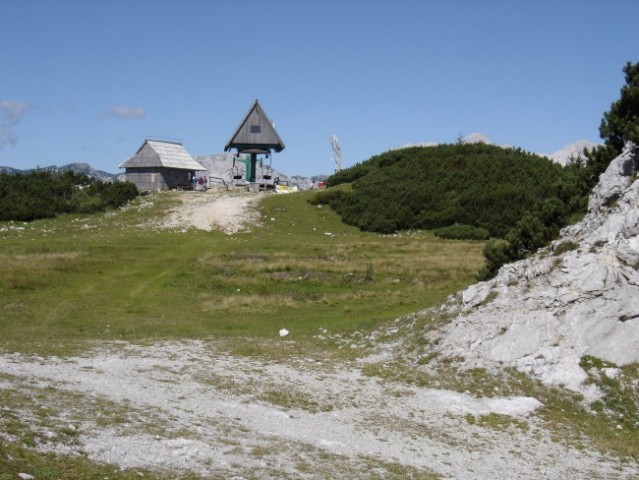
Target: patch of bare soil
(229,211)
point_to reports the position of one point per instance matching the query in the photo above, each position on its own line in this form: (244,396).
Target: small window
(256,129)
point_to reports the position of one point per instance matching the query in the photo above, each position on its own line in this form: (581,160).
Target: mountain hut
(161,165)
(256,135)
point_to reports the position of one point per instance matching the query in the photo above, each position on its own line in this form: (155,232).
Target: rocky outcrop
(579,296)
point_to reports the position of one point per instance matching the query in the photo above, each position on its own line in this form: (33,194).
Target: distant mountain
(9,170)
(476,138)
(472,138)
(565,154)
(89,171)
(74,167)
(217,165)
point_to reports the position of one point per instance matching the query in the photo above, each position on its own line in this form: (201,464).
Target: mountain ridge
(77,167)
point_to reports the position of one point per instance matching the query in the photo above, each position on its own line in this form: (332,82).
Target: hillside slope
(577,297)
(163,405)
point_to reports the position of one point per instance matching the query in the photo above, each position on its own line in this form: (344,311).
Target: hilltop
(561,156)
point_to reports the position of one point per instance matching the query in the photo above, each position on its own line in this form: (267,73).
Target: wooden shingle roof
(156,153)
(256,133)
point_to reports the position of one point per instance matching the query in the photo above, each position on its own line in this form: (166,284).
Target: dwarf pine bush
(45,194)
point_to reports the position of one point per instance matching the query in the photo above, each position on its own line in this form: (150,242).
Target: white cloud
(11,114)
(123,112)
(14,110)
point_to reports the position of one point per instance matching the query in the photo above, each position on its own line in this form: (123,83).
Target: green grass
(17,459)
(565,246)
(497,422)
(68,283)
(73,280)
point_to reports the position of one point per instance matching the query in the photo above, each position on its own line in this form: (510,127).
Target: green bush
(44,194)
(434,187)
(462,232)
(497,253)
(113,195)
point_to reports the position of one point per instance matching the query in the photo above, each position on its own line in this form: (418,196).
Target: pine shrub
(462,232)
(45,194)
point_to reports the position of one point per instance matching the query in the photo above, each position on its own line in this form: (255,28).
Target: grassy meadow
(68,282)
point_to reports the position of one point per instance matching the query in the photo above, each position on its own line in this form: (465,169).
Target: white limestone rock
(541,315)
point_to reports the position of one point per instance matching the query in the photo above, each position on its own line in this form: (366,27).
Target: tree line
(45,194)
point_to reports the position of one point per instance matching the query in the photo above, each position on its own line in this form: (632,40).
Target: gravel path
(189,406)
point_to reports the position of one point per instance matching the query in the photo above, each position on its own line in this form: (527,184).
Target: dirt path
(229,211)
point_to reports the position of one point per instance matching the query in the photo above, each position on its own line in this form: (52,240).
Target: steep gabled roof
(256,133)
(156,153)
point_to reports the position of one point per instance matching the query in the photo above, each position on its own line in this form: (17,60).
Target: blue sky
(89,80)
